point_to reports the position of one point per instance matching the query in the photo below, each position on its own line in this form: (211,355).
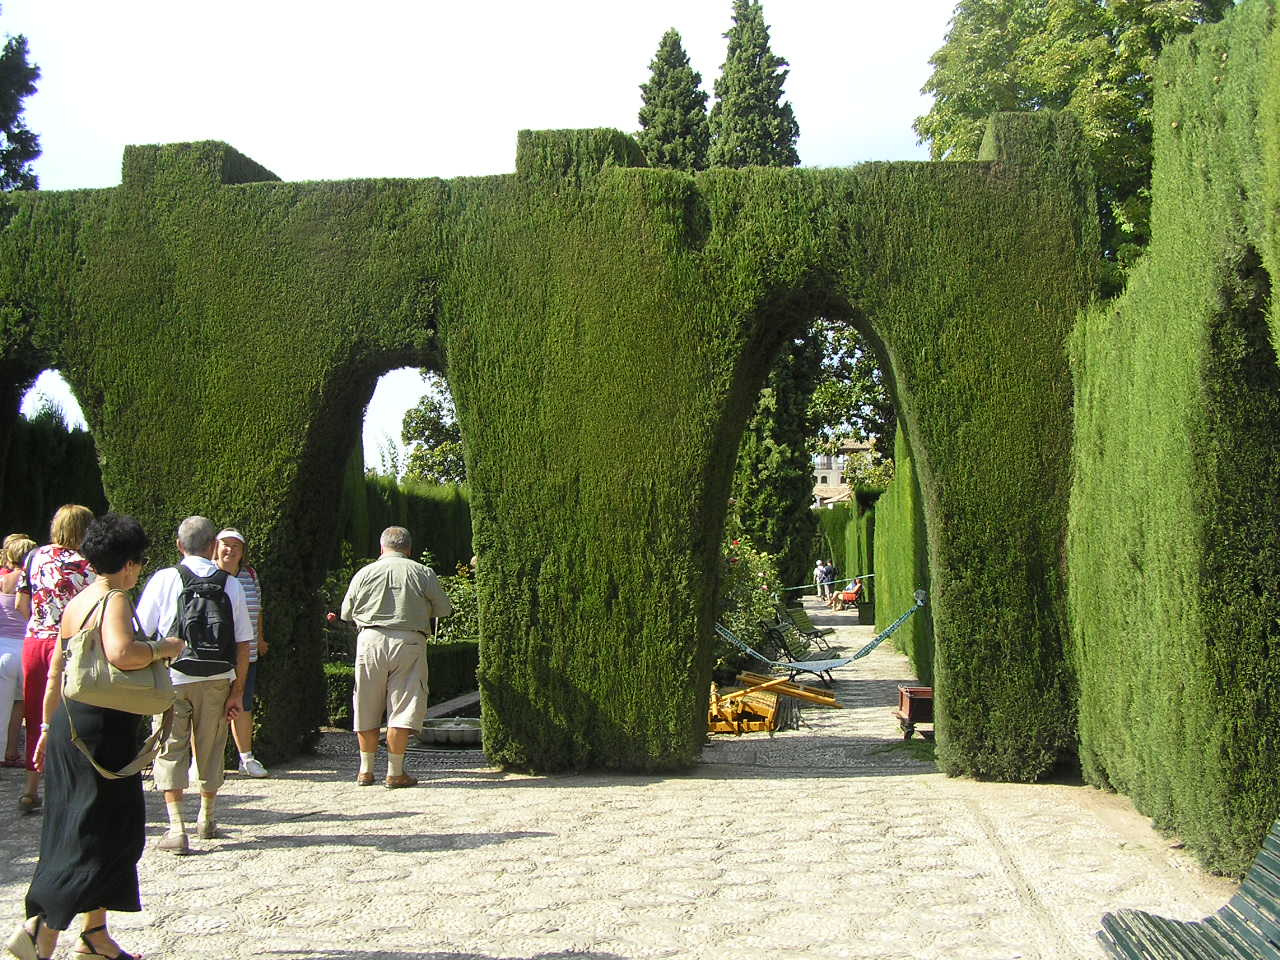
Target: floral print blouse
(52,575)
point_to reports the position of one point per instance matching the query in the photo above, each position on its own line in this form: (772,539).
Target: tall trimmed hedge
(902,561)
(1174,551)
(860,540)
(605,330)
(833,536)
(48,464)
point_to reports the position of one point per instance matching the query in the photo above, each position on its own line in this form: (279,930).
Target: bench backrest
(1258,900)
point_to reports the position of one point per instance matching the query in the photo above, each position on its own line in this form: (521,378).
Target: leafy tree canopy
(751,125)
(850,399)
(1092,57)
(673,118)
(432,434)
(18,145)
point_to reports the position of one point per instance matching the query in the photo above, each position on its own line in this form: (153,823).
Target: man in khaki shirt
(392,602)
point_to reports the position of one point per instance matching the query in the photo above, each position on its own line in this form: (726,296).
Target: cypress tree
(673,118)
(18,145)
(751,125)
(773,485)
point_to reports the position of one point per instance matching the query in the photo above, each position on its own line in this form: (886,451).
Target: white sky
(317,90)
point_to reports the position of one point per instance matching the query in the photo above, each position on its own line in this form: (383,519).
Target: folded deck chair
(821,668)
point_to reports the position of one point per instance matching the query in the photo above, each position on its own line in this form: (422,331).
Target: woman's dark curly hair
(112,540)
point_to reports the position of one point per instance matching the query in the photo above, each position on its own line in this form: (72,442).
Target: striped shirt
(248,578)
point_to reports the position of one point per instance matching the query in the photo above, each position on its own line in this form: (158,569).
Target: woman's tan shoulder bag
(89,677)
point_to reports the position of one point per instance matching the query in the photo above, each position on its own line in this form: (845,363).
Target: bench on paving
(1247,928)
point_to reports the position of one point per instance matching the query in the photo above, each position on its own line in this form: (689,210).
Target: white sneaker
(253,768)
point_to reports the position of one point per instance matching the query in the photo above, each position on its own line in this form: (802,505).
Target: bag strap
(150,749)
(102,605)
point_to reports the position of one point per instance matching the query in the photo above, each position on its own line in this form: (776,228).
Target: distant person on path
(819,578)
(230,557)
(92,835)
(392,602)
(208,676)
(51,576)
(13,627)
(829,582)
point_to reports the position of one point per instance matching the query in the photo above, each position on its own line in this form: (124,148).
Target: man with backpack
(206,608)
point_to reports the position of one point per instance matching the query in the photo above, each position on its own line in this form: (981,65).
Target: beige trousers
(199,722)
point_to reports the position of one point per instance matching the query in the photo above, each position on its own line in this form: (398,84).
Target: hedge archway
(604,328)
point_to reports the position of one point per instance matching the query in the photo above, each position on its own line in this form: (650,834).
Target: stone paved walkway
(830,841)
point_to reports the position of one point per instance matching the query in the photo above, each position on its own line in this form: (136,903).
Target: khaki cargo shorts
(391,677)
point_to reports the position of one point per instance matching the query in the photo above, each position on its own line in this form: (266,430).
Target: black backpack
(206,624)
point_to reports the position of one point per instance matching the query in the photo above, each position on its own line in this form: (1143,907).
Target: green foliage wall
(860,539)
(832,541)
(605,330)
(437,515)
(1174,557)
(902,561)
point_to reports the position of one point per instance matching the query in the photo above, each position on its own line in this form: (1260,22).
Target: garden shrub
(749,592)
(340,685)
(1173,555)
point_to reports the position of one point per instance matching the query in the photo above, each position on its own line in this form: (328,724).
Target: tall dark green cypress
(673,118)
(751,125)
(773,485)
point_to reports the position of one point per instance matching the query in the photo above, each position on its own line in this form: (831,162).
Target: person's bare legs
(100,941)
(397,743)
(45,937)
(242,732)
(398,739)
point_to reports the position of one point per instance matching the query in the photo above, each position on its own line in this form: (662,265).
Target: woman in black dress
(92,837)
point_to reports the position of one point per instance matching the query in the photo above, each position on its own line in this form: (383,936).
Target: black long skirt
(93,831)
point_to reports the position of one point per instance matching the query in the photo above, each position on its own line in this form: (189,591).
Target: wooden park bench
(1247,928)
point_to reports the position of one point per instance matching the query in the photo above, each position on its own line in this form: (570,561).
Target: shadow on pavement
(386,843)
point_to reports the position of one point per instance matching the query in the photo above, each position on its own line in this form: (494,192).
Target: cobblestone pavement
(833,840)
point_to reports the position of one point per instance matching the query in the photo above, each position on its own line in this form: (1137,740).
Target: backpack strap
(185,574)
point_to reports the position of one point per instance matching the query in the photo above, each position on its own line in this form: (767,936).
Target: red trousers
(36,657)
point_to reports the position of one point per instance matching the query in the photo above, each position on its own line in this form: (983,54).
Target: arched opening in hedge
(49,457)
